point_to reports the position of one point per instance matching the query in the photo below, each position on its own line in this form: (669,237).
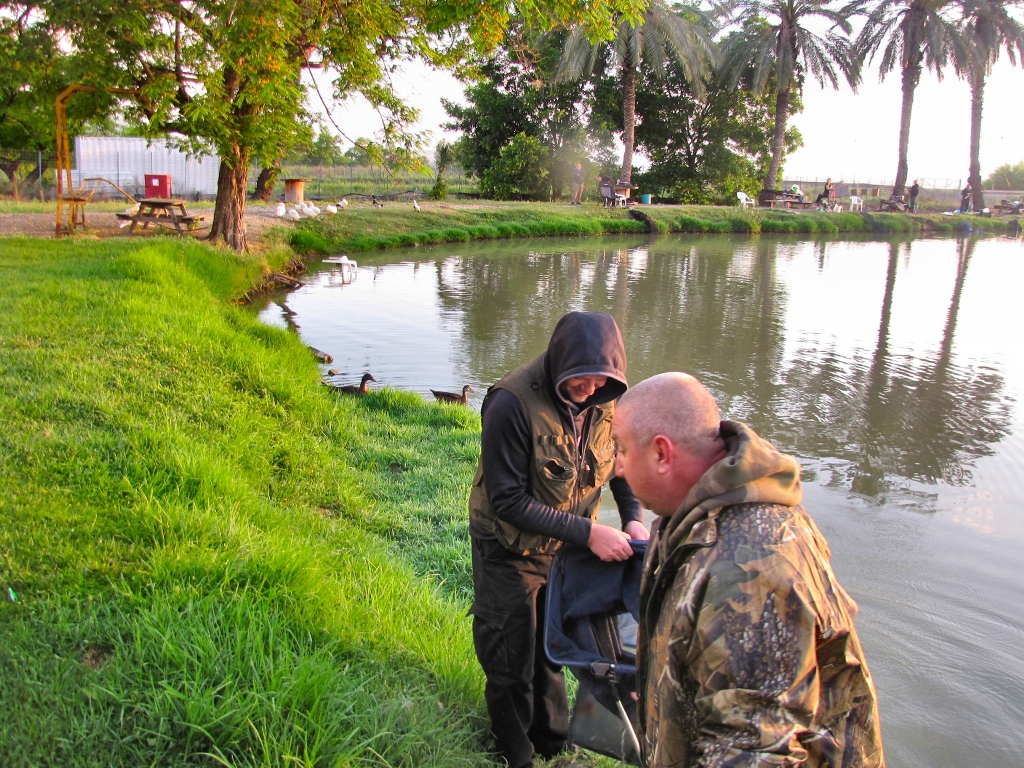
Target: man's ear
(664,453)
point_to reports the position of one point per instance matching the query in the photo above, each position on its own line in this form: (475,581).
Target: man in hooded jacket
(546,450)
(747,654)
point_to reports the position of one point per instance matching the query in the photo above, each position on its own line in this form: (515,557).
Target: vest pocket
(556,474)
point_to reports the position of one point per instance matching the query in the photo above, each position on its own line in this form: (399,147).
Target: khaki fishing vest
(552,476)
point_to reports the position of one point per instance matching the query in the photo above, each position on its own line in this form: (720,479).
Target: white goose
(331,209)
(280,210)
(292,215)
(343,203)
(415,205)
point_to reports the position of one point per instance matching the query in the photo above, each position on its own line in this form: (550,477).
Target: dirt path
(258,219)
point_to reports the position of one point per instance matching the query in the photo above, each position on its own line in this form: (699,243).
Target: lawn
(207,557)
(362,227)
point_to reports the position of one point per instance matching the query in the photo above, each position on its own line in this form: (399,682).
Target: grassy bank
(362,228)
(215,560)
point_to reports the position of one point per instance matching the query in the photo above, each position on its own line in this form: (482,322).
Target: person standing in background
(915,190)
(578,177)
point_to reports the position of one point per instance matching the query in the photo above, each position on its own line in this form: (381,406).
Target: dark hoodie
(582,344)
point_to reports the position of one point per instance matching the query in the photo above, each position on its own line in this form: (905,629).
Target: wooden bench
(1009,206)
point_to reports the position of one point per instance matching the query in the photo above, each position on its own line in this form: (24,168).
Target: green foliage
(323,150)
(1006,177)
(704,150)
(520,171)
(444,157)
(521,96)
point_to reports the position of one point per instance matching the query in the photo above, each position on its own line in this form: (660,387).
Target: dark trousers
(525,693)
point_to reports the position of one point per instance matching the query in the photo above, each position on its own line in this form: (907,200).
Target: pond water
(893,370)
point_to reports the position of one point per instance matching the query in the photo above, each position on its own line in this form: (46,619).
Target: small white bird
(292,215)
(331,209)
(132,209)
(314,209)
(343,203)
(279,212)
(415,205)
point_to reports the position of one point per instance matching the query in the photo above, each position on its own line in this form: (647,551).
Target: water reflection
(716,308)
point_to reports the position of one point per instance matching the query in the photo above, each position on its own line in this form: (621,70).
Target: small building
(126,160)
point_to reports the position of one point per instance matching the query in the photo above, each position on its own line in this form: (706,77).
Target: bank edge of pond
(207,551)
(327,235)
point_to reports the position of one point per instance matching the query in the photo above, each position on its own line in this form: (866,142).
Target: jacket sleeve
(753,657)
(505,456)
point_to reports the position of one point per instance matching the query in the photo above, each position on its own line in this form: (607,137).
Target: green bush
(520,172)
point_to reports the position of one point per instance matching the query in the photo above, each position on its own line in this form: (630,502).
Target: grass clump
(217,560)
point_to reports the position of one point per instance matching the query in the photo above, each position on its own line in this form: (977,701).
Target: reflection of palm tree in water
(869,474)
(930,424)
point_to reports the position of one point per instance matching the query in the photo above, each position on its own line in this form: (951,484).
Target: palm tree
(911,35)
(666,30)
(987,27)
(775,40)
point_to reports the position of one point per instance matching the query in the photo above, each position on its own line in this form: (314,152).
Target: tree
(518,94)
(520,172)
(665,32)
(1006,177)
(33,71)
(704,150)
(911,35)
(444,157)
(226,75)
(987,27)
(776,40)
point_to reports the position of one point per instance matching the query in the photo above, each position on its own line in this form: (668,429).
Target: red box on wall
(158,185)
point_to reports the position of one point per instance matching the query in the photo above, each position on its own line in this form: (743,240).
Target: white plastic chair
(856,203)
(745,200)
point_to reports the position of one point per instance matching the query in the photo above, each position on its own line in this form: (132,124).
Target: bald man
(747,653)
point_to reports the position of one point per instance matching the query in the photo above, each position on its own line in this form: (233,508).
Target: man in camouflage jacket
(747,652)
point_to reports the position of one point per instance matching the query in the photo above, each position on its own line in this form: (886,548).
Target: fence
(26,174)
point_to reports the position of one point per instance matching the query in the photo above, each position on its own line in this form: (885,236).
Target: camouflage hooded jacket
(747,653)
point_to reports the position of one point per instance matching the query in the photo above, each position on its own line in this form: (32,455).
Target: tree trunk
(266,180)
(977,101)
(911,77)
(229,214)
(628,116)
(778,139)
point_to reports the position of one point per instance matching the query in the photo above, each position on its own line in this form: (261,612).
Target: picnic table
(162,212)
(781,198)
(893,205)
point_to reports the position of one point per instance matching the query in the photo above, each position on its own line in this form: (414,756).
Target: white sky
(846,135)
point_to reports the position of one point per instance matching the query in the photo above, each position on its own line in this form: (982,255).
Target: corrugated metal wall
(126,161)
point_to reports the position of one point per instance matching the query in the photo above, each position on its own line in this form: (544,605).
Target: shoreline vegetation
(397,225)
(206,556)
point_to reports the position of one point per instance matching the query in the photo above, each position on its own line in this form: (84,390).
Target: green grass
(362,228)
(213,554)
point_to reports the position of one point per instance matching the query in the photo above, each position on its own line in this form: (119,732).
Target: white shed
(126,161)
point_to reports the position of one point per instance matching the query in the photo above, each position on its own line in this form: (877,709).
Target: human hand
(637,530)
(608,543)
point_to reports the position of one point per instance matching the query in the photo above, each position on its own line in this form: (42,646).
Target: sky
(848,136)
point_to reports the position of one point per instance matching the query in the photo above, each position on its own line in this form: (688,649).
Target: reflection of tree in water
(716,310)
(923,419)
